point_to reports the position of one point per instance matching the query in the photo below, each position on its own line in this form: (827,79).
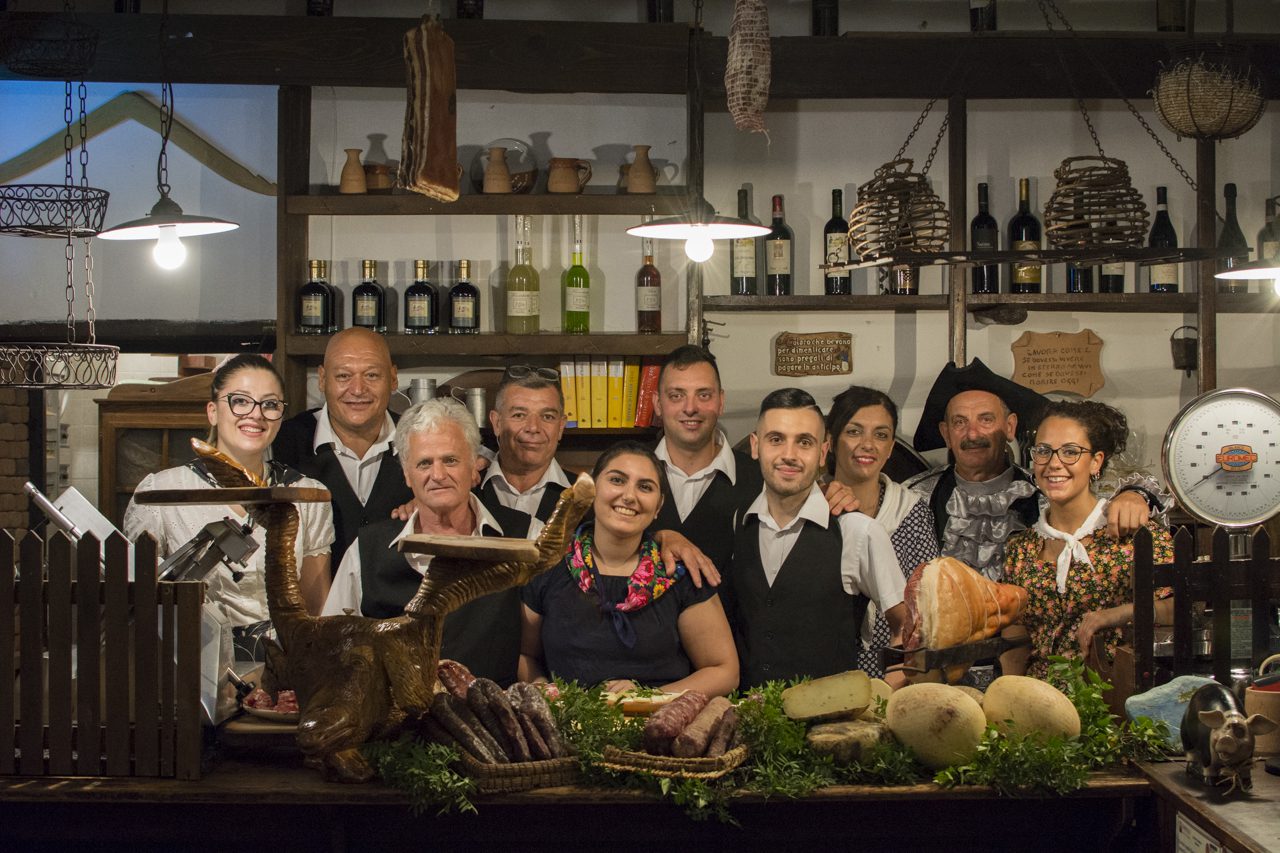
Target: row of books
(609,391)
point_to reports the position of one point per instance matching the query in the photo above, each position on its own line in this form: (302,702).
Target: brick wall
(15,451)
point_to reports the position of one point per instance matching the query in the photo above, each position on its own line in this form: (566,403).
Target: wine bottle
(778,254)
(835,234)
(904,281)
(648,293)
(1024,236)
(660,11)
(982,16)
(1111,273)
(743,262)
(471,9)
(1269,236)
(1232,239)
(464,303)
(1164,276)
(1171,16)
(826,17)
(984,236)
(1079,278)
(368,300)
(315,302)
(577,288)
(524,290)
(421,303)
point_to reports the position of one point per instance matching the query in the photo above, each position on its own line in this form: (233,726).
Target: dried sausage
(459,707)
(534,707)
(671,719)
(724,733)
(487,695)
(695,737)
(443,713)
(455,677)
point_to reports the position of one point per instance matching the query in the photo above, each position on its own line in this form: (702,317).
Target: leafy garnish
(1103,739)
(588,723)
(781,763)
(423,771)
(1021,765)
(886,763)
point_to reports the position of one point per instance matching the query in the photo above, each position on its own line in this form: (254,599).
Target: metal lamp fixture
(1268,268)
(166,222)
(698,228)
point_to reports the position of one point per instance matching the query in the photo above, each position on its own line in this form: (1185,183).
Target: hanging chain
(166,124)
(84,182)
(69,252)
(1186,176)
(942,131)
(914,129)
(89,314)
(84,137)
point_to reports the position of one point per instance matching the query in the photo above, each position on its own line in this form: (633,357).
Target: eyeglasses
(242,404)
(1068,453)
(520,371)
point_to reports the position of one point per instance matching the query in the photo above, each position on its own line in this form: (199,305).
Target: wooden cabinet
(144,429)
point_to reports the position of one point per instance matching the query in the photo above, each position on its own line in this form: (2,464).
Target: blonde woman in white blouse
(245,412)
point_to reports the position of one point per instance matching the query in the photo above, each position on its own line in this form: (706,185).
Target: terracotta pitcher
(352,180)
(497,177)
(641,176)
(567,175)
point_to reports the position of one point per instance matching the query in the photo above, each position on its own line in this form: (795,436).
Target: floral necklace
(650,580)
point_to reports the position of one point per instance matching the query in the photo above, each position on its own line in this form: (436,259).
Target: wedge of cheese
(846,741)
(839,696)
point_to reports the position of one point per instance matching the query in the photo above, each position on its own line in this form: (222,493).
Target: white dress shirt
(688,489)
(346,593)
(361,471)
(868,564)
(528,500)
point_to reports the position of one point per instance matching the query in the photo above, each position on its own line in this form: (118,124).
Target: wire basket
(59,48)
(1094,204)
(58,366)
(1211,93)
(897,211)
(51,210)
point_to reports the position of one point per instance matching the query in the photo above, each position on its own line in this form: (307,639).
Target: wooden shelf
(1088,256)
(877,302)
(1248,303)
(1133,303)
(668,202)
(445,346)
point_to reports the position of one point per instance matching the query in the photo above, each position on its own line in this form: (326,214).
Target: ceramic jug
(497,177)
(641,176)
(352,180)
(567,175)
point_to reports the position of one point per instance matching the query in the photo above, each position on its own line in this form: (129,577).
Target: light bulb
(169,252)
(699,248)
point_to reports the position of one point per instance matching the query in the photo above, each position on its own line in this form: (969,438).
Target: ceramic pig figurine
(1218,738)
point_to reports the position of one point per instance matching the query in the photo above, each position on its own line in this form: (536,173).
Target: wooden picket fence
(1217,581)
(133,707)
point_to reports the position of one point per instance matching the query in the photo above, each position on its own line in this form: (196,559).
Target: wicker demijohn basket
(1208,96)
(897,211)
(1094,204)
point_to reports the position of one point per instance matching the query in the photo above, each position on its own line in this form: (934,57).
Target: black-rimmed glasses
(1068,453)
(242,404)
(520,371)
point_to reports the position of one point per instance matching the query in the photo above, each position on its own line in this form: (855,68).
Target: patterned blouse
(914,542)
(1053,619)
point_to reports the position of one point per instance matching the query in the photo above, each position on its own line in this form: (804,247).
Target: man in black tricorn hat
(982,497)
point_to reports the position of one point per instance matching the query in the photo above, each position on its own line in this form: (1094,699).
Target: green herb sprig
(1015,765)
(781,762)
(423,770)
(886,763)
(588,723)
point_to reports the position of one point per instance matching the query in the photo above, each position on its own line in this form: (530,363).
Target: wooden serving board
(242,496)
(470,547)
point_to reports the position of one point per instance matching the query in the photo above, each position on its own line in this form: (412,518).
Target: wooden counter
(1238,821)
(304,813)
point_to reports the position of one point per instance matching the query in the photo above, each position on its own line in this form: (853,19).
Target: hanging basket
(897,212)
(51,210)
(1094,204)
(59,48)
(58,366)
(1211,93)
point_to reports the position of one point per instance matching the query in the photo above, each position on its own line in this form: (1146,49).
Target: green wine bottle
(523,304)
(577,288)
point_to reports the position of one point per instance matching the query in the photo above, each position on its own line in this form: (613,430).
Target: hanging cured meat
(747,71)
(429,151)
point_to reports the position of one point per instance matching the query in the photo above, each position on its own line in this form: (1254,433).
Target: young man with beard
(801,578)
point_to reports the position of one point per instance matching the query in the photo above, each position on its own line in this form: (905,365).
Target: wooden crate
(133,707)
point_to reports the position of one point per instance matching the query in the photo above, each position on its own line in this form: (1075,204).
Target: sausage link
(455,677)
(534,706)
(693,740)
(671,719)
(503,714)
(724,733)
(467,739)
(459,707)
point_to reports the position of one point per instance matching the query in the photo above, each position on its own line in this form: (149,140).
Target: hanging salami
(747,71)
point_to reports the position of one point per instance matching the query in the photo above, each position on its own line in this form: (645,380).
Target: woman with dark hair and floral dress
(862,424)
(1078,578)
(612,612)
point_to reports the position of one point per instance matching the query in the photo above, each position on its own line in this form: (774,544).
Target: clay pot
(352,180)
(567,175)
(378,177)
(642,177)
(497,177)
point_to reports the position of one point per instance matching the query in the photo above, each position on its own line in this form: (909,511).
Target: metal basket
(58,366)
(1094,204)
(51,210)
(59,48)
(896,212)
(1210,93)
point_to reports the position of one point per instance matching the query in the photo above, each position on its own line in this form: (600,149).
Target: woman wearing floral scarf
(612,612)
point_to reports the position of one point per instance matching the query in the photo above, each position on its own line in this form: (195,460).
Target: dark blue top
(580,644)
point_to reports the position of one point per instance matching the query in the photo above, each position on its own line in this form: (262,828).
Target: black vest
(709,524)
(803,625)
(1027,509)
(487,492)
(293,446)
(483,634)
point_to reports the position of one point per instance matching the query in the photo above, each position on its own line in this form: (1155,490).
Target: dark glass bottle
(744,261)
(660,11)
(421,303)
(1024,236)
(904,281)
(315,302)
(826,17)
(470,8)
(984,236)
(1269,237)
(1171,16)
(1232,239)
(1111,273)
(982,15)
(1079,278)
(778,254)
(464,303)
(1164,276)
(835,236)
(648,294)
(368,300)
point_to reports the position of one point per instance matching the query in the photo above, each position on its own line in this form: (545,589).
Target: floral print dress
(1051,618)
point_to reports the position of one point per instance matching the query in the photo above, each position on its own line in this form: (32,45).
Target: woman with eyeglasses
(245,409)
(1078,578)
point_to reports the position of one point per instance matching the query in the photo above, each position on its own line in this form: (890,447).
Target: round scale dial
(1221,457)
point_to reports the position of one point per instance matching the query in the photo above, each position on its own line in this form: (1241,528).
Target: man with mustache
(348,443)
(981,498)
(801,578)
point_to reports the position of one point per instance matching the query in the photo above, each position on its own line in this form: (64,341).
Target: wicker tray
(673,768)
(521,776)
